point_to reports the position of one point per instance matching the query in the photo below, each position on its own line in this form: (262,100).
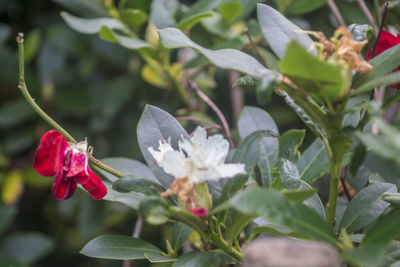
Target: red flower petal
(200,212)
(78,164)
(63,188)
(50,154)
(97,190)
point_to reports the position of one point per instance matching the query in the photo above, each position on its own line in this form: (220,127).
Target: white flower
(199,159)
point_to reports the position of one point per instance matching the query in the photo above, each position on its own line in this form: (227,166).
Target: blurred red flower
(199,212)
(69,163)
(386,41)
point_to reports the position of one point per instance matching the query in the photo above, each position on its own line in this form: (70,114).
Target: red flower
(199,212)
(386,41)
(55,157)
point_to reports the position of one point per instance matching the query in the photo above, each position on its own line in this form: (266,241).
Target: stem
(28,97)
(336,166)
(216,110)
(385,9)
(336,12)
(369,16)
(42,114)
(217,239)
(255,47)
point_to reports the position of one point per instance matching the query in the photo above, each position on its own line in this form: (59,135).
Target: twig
(214,107)
(369,16)
(188,118)
(25,92)
(336,12)
(385,9)
(255,47)
(198,71)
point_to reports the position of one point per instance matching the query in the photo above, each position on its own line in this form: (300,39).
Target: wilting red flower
(69,163)
(386,41)
(200,212)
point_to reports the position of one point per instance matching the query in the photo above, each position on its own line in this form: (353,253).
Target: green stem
(28,97)
(336,166)
(42,114)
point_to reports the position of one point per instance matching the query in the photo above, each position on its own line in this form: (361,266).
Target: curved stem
(333,191)
(42,114)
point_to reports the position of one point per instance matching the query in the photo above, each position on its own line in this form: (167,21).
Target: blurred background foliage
(97,89)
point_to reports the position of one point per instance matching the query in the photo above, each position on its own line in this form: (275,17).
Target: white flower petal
(175,164)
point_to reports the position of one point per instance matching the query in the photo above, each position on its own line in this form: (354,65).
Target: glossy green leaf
(278,31)
(128,42)
(245,81)
(155,125)
(203,259)
(133,17)
(314,162)
(254,119)
(223,58)
(314,76)
(314,202)
(119,247)
(90,26)
(188,23)
(137,184)
(381,81)
(289,144)
(230,10)
(275,207)
(383,63)
(26,247)
(289,174)
(248,152)
(365,207)
(127,167)
(31,45)
(131,199)
(299,6)
(201,6)
(180,233)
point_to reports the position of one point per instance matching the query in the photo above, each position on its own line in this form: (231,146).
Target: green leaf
(372,250)
(127,167)
(289,174)
(203,259)
(289,144)
(153,210)
(180,233)
(314,201)
(200,7)
(238,222)
(119,247)
(137,184)
(135,18)
(223,58)
(128,42)
(314,76)
(230,10)
(276,208)
(187,23)
(314,162)
(278,31)
(386,144)
(155,125)
(383,63)
(254,119)
(26,247)
(300,195)
(131,200)
(296,7)
(381,81)
(90,26)
(365,207)
(162,12)
(245,81)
